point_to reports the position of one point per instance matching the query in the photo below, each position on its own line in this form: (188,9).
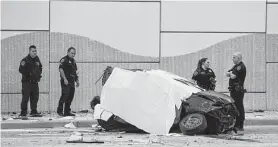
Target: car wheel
(194,123)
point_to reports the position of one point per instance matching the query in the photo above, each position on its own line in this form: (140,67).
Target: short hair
(71,48)
(32,46)
(239,55)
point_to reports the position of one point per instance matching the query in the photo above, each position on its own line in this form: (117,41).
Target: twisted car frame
(196,110)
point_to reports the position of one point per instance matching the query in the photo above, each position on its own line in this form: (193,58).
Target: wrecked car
(159,102)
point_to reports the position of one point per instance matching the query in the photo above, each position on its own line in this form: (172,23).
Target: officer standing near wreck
(203,75)
(31,69)
(236,87)
(69,77)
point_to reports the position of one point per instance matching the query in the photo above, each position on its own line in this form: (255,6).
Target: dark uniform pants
(29,90)
(66,97)
(238,98)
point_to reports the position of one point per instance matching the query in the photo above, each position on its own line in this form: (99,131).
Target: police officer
(204,76)
(68,76)
(31,70)
(236,87)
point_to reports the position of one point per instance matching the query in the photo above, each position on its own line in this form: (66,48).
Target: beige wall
(150,34)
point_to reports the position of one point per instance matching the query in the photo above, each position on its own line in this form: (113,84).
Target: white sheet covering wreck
(145,99)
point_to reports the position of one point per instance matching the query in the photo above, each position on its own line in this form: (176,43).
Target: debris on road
(84,111)
(70,126)
(77,137)
(174,134)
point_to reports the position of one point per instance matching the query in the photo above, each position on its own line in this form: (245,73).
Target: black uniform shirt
(203,77)
(69,67)
(30,68)
(239,70)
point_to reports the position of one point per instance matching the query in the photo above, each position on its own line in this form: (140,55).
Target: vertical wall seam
(49,47)
(160,3)
(266,105)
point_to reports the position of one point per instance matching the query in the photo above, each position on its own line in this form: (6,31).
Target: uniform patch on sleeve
(22,63)
(62,61)
(195,73)
(238,68)
(38,63)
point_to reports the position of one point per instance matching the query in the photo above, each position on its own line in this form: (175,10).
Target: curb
(46,124)
(260,122)
(88,123)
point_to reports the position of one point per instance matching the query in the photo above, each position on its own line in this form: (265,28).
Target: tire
(192,124)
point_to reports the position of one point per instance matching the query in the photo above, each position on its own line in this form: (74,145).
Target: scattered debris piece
(174,134)
(122,132)
(96,126)
(86,141)
(77,134)
(70,126)
(154,138)
(258,110)
(77,137)
(120,137)
(84,111)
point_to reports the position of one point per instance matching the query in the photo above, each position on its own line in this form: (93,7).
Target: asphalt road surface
(255,136)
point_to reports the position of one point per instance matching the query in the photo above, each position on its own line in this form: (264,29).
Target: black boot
(69,114)
(34,113)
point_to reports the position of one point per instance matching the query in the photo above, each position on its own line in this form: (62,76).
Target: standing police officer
(31,70)
(236,87)
(69,76)
(204,76)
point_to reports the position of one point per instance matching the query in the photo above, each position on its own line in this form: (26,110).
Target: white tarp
(145,99)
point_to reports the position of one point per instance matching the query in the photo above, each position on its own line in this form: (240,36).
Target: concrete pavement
(86,120)
(255,136)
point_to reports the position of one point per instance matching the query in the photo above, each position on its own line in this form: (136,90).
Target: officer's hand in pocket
(66,82)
